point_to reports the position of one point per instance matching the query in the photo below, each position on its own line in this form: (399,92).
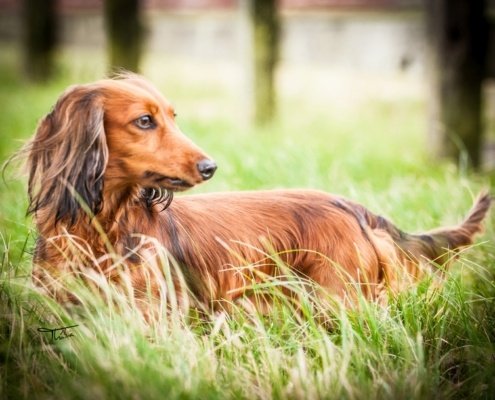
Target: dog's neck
(111,225)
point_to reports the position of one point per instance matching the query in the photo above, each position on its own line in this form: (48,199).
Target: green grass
(434,341)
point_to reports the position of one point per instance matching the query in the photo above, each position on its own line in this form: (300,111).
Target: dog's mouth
(173,184)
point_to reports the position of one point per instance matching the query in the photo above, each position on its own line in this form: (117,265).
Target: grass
(430,342)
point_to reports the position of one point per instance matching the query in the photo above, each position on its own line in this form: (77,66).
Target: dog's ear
(67,158)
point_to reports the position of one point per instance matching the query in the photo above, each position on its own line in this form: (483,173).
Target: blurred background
(343,95)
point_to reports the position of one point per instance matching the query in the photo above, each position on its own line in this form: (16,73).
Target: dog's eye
(145,122)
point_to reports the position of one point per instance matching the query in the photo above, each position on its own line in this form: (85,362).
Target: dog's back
(232,239)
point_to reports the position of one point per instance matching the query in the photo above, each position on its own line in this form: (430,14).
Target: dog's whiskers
(153,196)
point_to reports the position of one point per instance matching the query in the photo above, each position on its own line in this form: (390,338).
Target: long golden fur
(102,169)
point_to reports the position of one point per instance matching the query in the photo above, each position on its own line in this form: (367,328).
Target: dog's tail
(437,245)
(441,244)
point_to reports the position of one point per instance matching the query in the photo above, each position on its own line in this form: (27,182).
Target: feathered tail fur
(437,245)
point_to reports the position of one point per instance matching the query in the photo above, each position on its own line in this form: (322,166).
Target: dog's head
(112,135)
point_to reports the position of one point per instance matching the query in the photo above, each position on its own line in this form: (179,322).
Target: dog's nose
(206,168)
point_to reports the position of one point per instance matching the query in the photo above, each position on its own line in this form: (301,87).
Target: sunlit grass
(434,341)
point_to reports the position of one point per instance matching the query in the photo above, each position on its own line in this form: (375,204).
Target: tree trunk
(457,32)
(124,34)
(40,38)
(265,51)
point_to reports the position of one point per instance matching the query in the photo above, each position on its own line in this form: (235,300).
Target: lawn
(363,137)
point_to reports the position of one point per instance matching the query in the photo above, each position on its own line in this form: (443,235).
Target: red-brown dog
(104,163)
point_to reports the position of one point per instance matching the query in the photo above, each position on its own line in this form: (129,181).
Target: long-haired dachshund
(102,169)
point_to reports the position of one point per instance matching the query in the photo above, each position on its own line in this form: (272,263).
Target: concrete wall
(387,42)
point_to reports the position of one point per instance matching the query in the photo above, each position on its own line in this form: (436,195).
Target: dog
(104,165)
